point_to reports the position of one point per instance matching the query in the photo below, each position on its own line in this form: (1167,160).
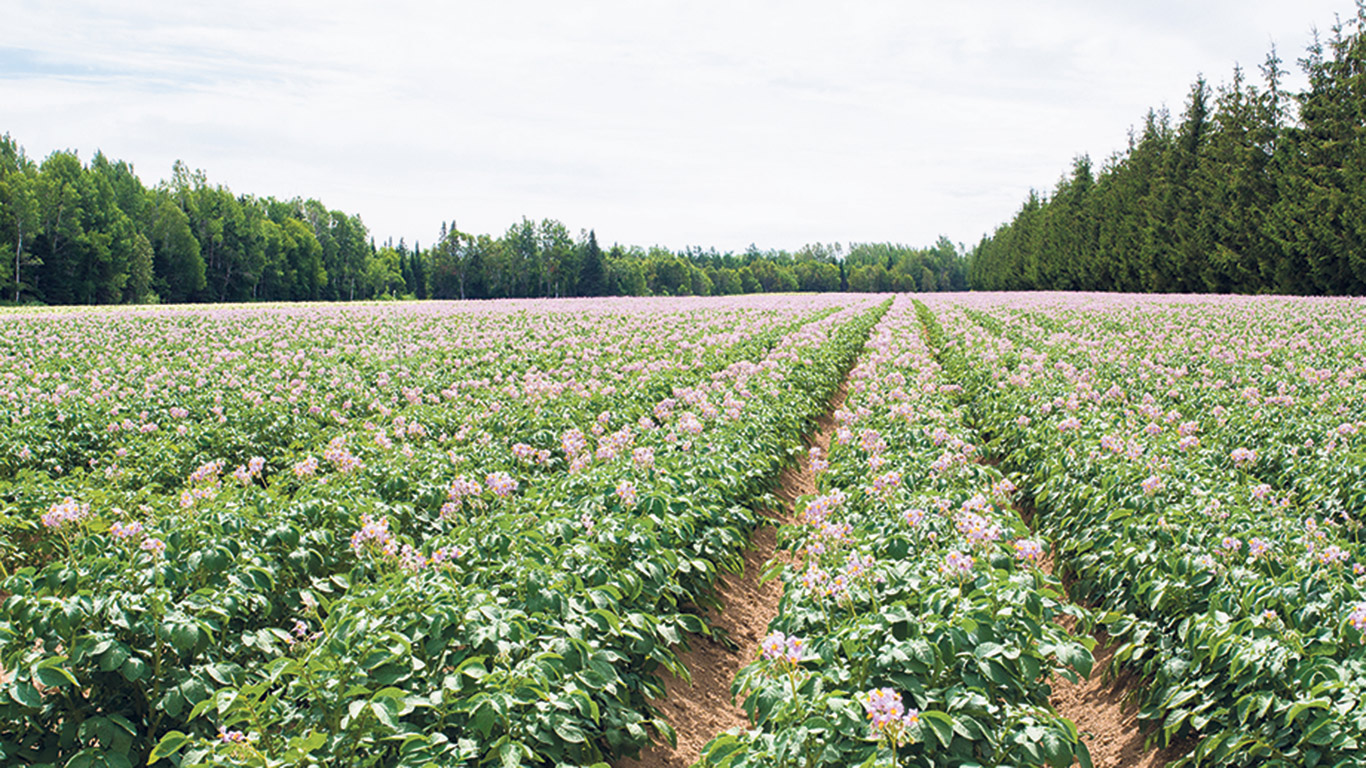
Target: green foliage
(868,593)
(77,234)
(1238,197)
(242,624)
(1208,505)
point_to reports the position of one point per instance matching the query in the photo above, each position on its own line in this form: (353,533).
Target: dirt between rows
(1099,706)
(1105,709)
(1108,723)
(703,709)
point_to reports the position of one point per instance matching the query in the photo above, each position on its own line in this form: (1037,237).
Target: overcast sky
(673,123)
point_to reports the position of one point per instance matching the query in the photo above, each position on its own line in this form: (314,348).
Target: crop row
(1199,465)
(430,551)
(916,624)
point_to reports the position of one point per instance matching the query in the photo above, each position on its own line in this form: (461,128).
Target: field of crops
(467,534)
(1200,466)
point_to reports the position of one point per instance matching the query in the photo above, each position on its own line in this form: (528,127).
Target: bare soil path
(700,711)
(1105,710)
(1108,723)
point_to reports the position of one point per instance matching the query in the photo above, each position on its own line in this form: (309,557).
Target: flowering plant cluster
(914,587)
(1200,467)
(432,534)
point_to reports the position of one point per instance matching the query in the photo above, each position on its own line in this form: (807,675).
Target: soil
(1105,709)
(705,708)
(1108,723)
(1101,707)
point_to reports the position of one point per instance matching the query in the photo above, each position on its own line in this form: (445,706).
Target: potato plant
(1199,465)
(916,627)
(395,537)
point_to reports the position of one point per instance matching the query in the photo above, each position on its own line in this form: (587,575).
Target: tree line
(542,259)
(1255,189)
(93,233)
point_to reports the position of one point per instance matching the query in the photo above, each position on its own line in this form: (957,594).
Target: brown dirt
(1108,723)
(1105,709)
(701,710)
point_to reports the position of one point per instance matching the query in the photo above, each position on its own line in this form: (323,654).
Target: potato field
(483,533)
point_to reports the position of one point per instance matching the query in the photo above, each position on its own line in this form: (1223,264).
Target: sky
(713,124)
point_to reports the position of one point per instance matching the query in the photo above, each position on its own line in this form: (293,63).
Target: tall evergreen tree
(18,209)
(592,270)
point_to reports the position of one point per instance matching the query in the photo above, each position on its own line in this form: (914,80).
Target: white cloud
(672,122)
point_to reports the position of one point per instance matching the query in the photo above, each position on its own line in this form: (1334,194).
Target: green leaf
(221,673)
(133,669)
(306,744)
(124,723)
(1322,731)
(385,710)
(1056,750)
(113,658)
(170,744)
(720,748)
(1076,657)
(51,674)
(987,650)
(202,707)
(355,708)
(510,755)
(1300,706)
(1181,697)
(483,718)
(24,693)
(570,732)
(941,724)
(184,637)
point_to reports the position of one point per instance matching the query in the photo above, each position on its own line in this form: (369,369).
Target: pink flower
(66,512)
(1358,617)
(501,484)
(126,530)
(783,648)
(1332,555)
(340,456)
(626,493)
(231,737)
(690,424)
(887,715)
(956,565)
(573,442)
(1152,485)
(1028,551)
(884,485)
(643,458)
(373,534)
